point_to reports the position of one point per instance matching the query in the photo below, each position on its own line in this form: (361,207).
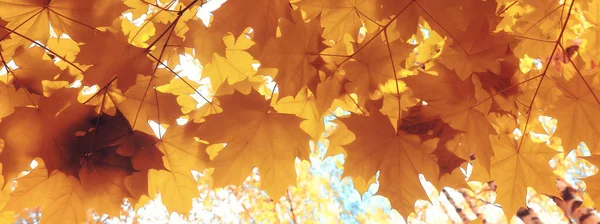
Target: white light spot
(33,164)
(255,66)
(205,90)
(538,64)
(11,65)
(89,90)
(468,171)
(270,83)
(517,133)
(189,67)
(182,121)
(158,129)
(76,84)
(250,31)
(204,12)
(138,21)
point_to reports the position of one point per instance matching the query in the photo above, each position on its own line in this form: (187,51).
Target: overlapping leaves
(426,81)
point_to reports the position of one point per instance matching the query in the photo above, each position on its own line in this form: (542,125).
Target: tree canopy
(130,99)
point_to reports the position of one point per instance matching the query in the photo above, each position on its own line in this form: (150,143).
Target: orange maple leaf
(400,157)
(294,54)
(256,136)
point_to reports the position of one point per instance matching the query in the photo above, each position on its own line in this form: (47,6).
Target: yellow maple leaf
(181,154)
(256,136)
(32,19)
(519,162)
(400,157)
(477,49)
(294,54)
(262,15)
(374,64)
(304,106)
(575,109)
(235,66)
(58,195)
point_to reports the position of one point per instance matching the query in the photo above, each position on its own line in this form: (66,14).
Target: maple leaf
(181,154)
(476,53)
(60,196)
(33,18)
(328,91)
(517,164)
(35,67)
(414,123)
(400,157)
(104,185)
(256,136)
(11,98)
(235,66)
(5,216)
(294,54)
(592,35)
(59,132)
(502,86)
(113,153)
(178,191)
(63,151)
(112,56)
(461,104)
(141,104)
(429,84)
(447,145)
(341,17)
(447,17)
(574,108)
(47,137)
(396,100)
(478,48)
(592,189)
(304,106)
(262,15)
(205,42)
(374,64)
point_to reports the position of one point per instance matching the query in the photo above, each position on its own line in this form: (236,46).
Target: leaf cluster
(97,92)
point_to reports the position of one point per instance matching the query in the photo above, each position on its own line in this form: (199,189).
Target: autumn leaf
(178,191)
(35,67)
(262,15)
(33,18)
(53,141)
(130,99)
(235,66)
(462,104)
(256,136)
(205,42)
(141,104)
(574,108)
(399,156)
(11,98)
(104,185)
(294,54)
(181,154)
(519,163)
(60,196)
(341,17)
(117,56)
(478,49)
(304,106)
(367,69)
